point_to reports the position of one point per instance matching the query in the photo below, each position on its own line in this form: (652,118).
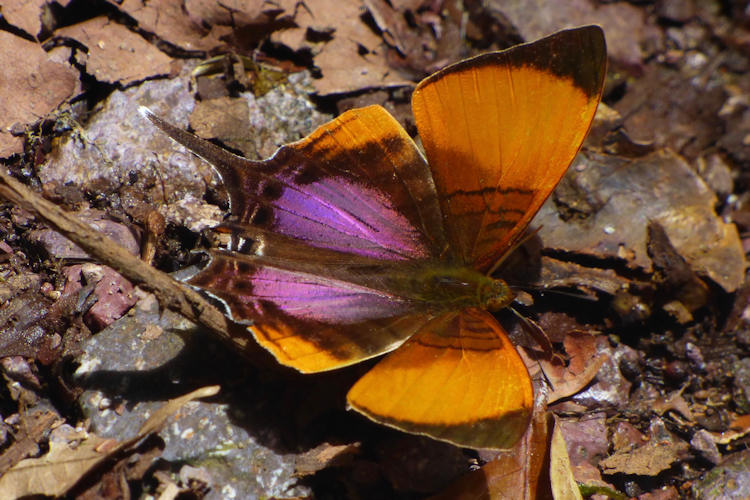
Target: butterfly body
(443,287)
(360,245)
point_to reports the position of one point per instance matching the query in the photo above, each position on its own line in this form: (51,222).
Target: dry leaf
(53,473)
(625,24)
(538,467)
(63,465)
(564,486)
(26,15)
(519,473)
(116,54)
(584,364)
(167,20)
(33,85)
(351,57)
(624,196)
(658,454)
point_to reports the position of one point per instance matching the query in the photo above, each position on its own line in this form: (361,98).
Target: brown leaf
(558,273)
(517,473)
(227,119)
(353,58)
(658,454)
(53,473)
(167,20)
(584,364)
(624,24)
(33,85)
(671,110)
(25,15)
(538,467)
(423,38)
(32,427)
(672,272)
(570,383)
(116,54)
(64,465)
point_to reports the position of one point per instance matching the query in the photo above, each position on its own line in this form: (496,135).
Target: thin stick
(171,293)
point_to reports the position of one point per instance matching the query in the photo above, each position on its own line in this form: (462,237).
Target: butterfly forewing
(499,131)
(356,184)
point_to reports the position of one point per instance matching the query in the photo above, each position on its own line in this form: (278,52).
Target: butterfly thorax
(449,287)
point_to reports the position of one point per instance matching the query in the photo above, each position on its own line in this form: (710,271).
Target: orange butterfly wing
(500,130)
(459,379)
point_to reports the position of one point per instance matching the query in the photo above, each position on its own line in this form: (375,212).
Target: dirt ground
(635,270)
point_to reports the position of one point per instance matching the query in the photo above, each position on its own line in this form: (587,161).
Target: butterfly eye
(496,295)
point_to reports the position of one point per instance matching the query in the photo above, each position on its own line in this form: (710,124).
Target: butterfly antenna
(516,244)
(543,290)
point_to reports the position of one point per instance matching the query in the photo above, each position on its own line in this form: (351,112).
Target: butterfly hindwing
(499,131)
(458,379)
(307,321)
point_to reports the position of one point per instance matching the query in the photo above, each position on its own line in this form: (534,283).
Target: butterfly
(350,244)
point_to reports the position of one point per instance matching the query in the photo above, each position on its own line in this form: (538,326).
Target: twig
(171,293)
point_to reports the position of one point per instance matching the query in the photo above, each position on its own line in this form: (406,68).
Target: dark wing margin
(500,130)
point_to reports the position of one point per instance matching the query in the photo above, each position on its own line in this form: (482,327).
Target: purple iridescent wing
(308,321)
(356,191)
(357,184)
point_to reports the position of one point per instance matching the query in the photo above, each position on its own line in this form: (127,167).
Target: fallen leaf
(114,53)
(228,119)
(658,454)
(64,465)
(26,15)
(562,482)
(515,473)
(674,402)
(678,113)
(33,425)
(352,57)
(537,467)
(33,85)
(557,273)
(567,386)
(53,473)
(167,20)
(584,363)
(625,24)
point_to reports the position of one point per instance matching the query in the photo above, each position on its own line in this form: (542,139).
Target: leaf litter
(640,235)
